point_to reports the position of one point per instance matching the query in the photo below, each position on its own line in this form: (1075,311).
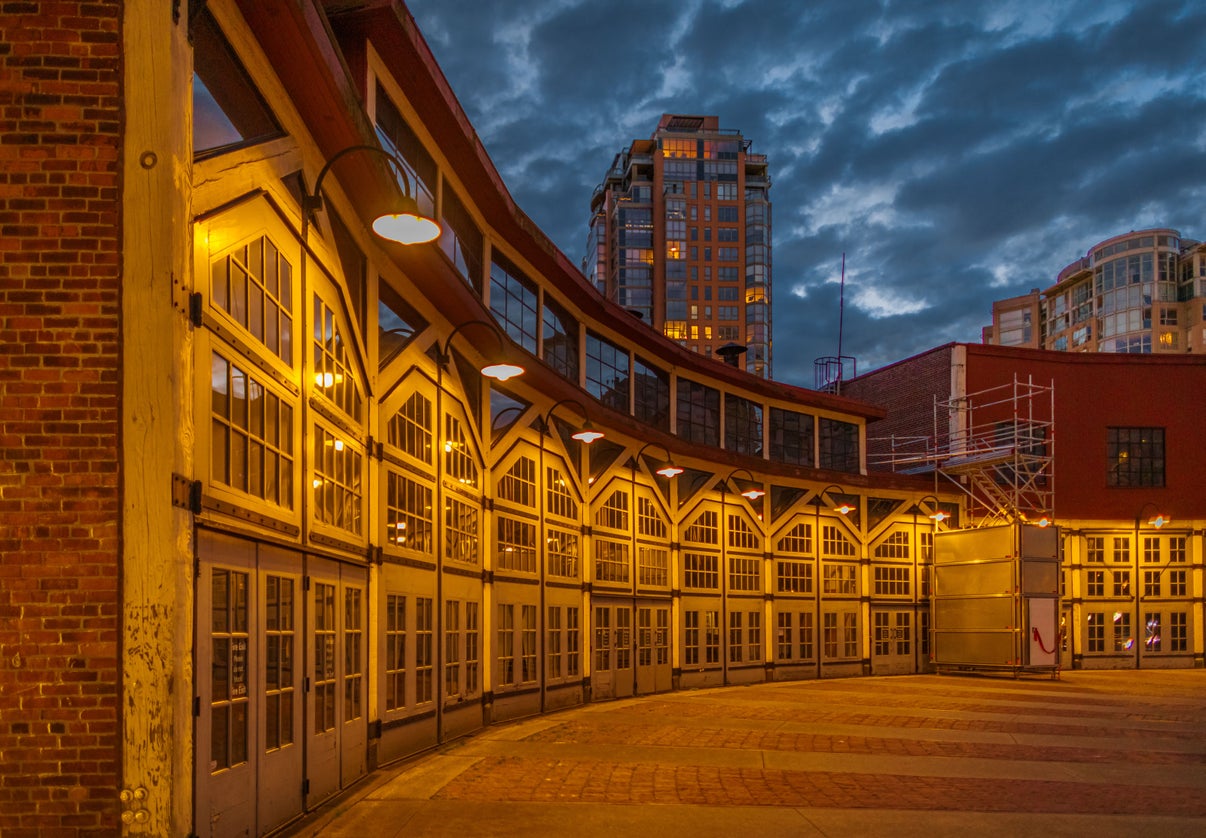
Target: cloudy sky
(956,152)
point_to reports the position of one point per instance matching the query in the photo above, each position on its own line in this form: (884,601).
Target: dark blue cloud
(957,153)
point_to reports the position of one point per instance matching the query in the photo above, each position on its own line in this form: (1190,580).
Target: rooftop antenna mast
(841,322)
(830,370)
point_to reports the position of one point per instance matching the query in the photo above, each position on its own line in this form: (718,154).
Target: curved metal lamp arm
(313,202)
(443,349)
(749,494)
(548,415)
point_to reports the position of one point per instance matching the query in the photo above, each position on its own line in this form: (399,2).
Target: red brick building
(1123,457)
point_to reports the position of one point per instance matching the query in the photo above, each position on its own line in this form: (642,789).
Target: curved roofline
(319,80)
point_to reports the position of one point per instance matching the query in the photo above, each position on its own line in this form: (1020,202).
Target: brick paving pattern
(1101,753)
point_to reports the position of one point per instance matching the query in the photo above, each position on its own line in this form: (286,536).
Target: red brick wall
(907,390)
(60,132)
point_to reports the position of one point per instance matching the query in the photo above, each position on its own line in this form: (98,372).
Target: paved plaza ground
(1092,754)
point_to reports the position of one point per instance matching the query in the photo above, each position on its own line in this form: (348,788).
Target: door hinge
(196,308)
(306,687)
(305,787)
(196,706)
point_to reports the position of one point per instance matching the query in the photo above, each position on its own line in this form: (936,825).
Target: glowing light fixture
(406,225)
(586,434)
(669,470)
(1159,521)
(752,493)
(500,371)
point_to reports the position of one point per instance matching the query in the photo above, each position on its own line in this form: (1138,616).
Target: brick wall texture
(907,390)
(60,134)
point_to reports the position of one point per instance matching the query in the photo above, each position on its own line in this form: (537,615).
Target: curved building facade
(1140,292)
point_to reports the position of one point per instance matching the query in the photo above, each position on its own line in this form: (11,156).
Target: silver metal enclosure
(995,603)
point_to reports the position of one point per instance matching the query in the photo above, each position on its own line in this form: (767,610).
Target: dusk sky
(957,152)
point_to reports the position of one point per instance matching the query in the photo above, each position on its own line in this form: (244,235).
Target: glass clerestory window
(514,303)
(607,372)
(461,239)
(397,138)
(791,437)
(839,445)
(228,111)
(651,394)
(560,340)
(742,426)
(698,413)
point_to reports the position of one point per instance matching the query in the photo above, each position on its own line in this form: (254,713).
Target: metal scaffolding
(996,445)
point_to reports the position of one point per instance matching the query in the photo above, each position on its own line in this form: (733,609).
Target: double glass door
(630,659)
(281,656)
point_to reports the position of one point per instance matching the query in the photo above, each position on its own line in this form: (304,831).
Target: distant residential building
(1141,292)
(680,235)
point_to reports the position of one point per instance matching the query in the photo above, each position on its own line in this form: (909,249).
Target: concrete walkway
(1095,753)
